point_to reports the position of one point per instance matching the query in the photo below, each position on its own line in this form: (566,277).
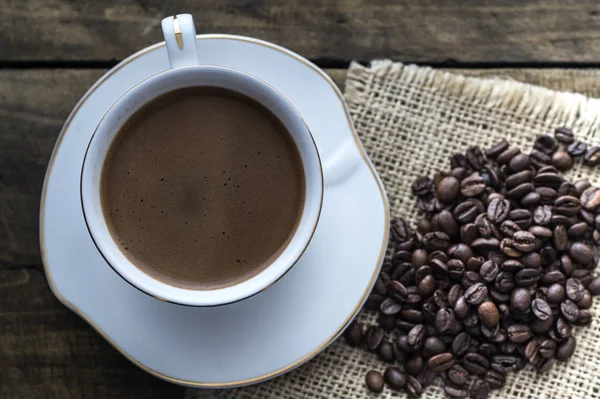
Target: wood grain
(46,351)
(405,30)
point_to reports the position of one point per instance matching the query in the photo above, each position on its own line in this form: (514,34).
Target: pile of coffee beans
(498,272)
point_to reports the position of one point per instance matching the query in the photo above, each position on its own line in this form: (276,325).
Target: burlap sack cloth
(410,120)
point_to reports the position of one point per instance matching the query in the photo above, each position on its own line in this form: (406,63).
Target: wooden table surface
(52,51)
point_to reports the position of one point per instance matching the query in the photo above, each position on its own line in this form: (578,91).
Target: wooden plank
(46,351)
(35,103)
(406,30)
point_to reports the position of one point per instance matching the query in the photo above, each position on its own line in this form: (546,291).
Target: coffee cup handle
(180,36)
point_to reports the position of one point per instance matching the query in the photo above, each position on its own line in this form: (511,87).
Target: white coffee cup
(186,71)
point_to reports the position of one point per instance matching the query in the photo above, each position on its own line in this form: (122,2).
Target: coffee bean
(485,244)
(488,314)
(562,160)
(564,135)
(566,349)
(567,188)
(520,191)
(489,271)
(562,328)
(547,195)
(585,318)
(545,144)
(388,323)
(385,352)
(569,310)
(577,148)
(592,156)
(373,338)
(416,336)
(561,239)
(531,199)
(414,365)
(413,386)
(507,246)
(519,333)
(553,277)
(495,379)
(400,230)
(575,290)
(419,258)
(578,230)
(454,293)
(472,185)
(422,186)
(547,348)
(497,149)
(436,241)
(427,286)
(586,302)
(458,375)
(581,253)
(498,210)
(445,320)
(462,308)
(522,217)
(527,277)
(433,346)
(590,198)
(389,307)
(447,189)
(585,276)
(542,215)
(520,300)
(374,381)
(458,161)
(480,389)
(476,294)
(394,378)
(504,282)
(538,159)
(504,363)
(524,241)
(354,334)
(540,232)
(532,260)
(475,363)
(456,391)
(474,157)
(441,362)
(541,309)
(508,154)
(594,286)
(399,355)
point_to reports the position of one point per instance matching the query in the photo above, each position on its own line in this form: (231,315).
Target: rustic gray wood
(428,30)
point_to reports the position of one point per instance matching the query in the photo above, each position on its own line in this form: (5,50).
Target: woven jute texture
(410,120)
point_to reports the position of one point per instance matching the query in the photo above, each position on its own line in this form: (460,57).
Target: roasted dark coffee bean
(474,264)
(476,294)
(516,179)
(531,350)
(541,309)
(575,290)
(585,276)
(480,389)
(475,363)
(552,277)
(373,338)
(520,191)
(447,189)
(495,379)
(564,135)
(454,293)
(461,344)
(436,241)
(413,386)
(398,291)
(390,307)
(438,267)
(577,148)
(508,228)
(445,320)
(458,375)
(490,332)
(561,220)
(555,294)
(582,185)
(498,210)
(549,255)
(416,336)
(561,239)
(504,364)
(486,227)
(412,315)
(519,163)
(527,277)
(585,318)
(394,378)
(388,323)
(546,144)
(519,333)
(414,365)
(522,217)
(474,157)
(466,212)
(523,241)
(547,195)
(402,344)
(433,346)
(427,286)
(374,301)
(488,314)
(563,328)
(578,230)
(426,377)
(485,244)
(567,188)
(489,271)
(520,300)
(538,159)
(399,355)
(462,308)
(541,326)
(468,233)
(444,221)
(497,149)
(401,256)
(581,253)
(426,204)
(422,186)
(545,365)
(562,160)
(586,302)
(542,215)
(532,260)
(590,198)
(456,391)
(385,352)
(400,230)
(540,232)
(569,310)
(507,246)
(441,362)
(419,257)
(440,298)
(472,185)
(547,348)
(461,252)
(531,199)
(594,286)
(354,334)
(592,156)
(504,282)
(374,381)
(508,154)
(567,205)
(458,161)
(566,349)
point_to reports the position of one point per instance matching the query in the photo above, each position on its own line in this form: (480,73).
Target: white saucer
(265,335)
